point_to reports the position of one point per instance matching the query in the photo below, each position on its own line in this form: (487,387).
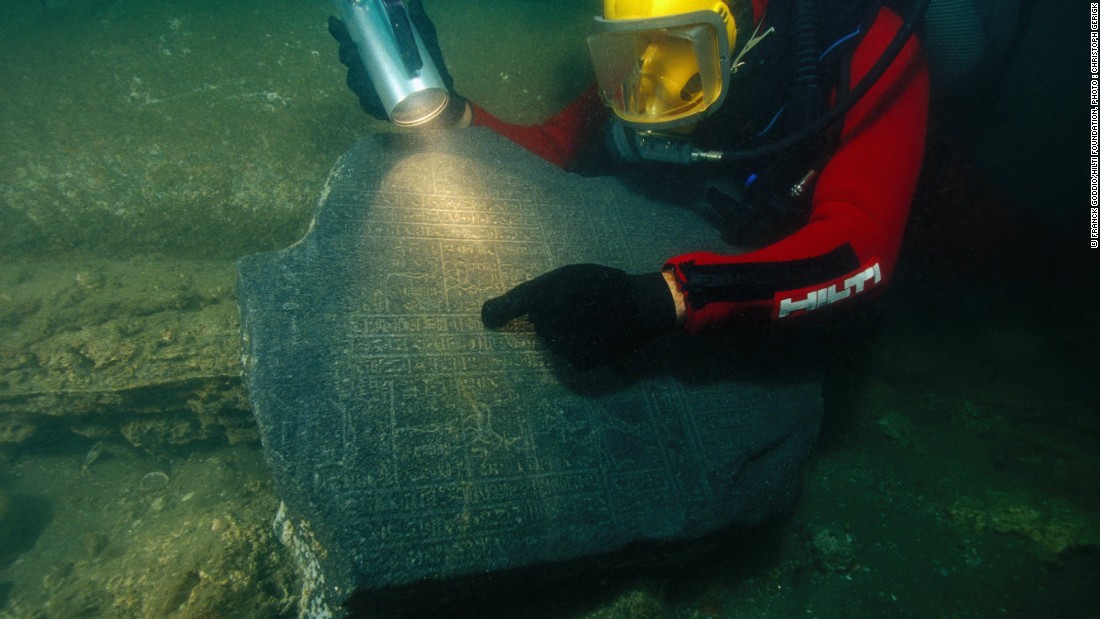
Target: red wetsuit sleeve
(860,205)
(559,140)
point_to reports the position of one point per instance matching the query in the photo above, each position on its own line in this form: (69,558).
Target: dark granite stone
(410,445)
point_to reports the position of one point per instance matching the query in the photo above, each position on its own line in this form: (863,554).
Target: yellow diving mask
(664,71)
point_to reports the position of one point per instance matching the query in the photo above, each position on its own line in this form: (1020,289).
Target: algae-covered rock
(832,552)
(1053,525)
(199,545)
(145,348)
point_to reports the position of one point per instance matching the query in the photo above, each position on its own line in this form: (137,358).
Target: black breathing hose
(806,87)
(843,106)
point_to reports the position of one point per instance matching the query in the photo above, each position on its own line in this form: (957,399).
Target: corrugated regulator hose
(841,107)
(806,95)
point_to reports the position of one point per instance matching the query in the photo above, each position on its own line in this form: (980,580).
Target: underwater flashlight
(399,66)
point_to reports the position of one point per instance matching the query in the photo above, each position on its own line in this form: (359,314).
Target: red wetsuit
(848,249)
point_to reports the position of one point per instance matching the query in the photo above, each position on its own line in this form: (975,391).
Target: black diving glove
(359,80)
(588,313)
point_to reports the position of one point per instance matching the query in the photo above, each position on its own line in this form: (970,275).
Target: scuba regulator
(635,146)
(764,205)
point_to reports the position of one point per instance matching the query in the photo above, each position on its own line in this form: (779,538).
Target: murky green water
(145,145)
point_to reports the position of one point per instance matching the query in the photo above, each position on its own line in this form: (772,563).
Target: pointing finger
(499,311)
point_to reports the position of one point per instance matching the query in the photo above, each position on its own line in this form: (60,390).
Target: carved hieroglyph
(409,443)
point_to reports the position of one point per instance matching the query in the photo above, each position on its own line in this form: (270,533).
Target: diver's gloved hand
(359,81)
(588,313)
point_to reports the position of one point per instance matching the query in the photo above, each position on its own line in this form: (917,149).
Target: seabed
(146,146)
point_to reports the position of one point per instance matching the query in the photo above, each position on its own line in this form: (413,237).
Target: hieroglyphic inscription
(418,444)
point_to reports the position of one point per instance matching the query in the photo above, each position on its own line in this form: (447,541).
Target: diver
(802,121)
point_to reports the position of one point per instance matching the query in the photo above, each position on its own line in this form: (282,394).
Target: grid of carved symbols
(470,445)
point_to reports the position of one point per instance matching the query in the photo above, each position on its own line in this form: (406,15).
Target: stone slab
(410,445)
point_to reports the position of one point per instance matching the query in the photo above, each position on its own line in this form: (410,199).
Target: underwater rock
(143,348)
(98,547)
(94,543)
(832,553)
(413,449)
(1053,525)
(15,429)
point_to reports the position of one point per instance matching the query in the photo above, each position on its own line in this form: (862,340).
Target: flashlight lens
(419,107)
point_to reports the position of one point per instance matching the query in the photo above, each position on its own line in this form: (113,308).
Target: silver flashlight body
(410,98)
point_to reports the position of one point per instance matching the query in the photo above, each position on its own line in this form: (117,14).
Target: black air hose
(841,107)
(806,97)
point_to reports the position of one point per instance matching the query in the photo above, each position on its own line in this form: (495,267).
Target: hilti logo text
(818,298)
